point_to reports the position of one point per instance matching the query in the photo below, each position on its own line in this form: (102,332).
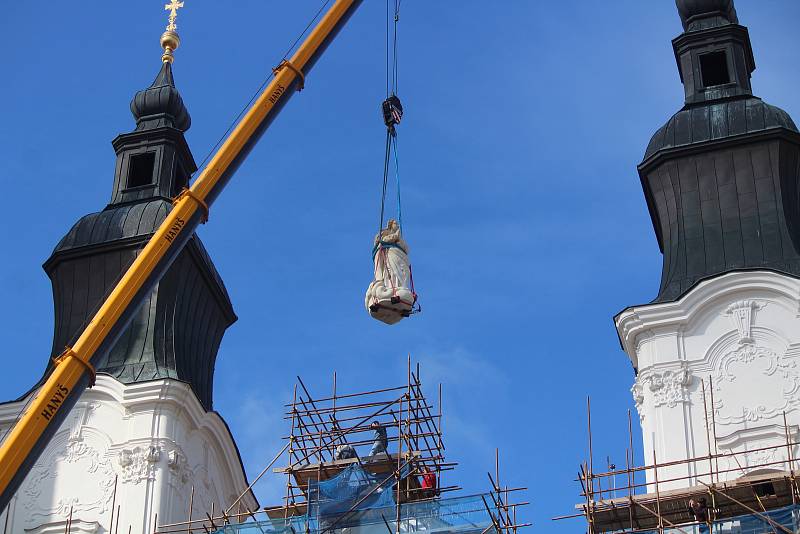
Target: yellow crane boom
(74,369)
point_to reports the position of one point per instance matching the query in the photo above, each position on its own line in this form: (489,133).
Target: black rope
(21,412)
(316,16)
(259,90)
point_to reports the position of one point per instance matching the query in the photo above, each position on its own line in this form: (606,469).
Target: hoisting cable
(392,295)
(392,108)
(394,45)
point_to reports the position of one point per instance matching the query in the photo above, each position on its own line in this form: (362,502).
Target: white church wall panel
(154,438)
(738,334)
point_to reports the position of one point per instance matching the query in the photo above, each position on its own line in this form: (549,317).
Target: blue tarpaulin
(787,517)
(358,502)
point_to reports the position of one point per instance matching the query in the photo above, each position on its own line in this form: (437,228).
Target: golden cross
(173,7)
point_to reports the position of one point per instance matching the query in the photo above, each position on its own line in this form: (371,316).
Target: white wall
(153,437)
(739,333)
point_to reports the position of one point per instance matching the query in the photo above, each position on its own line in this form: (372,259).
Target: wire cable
(387,49)
(391,132)
(394,46)
(259,90)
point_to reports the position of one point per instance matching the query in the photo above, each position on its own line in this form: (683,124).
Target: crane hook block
(392,112)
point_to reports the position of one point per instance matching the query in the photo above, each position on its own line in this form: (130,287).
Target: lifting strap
(288,64)
(200,202)
(69,353)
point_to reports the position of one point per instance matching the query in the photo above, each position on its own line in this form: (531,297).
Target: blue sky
(528,229)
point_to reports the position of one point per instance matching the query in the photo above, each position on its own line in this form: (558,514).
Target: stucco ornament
(742,314)
(48,493)
(752,367)
(139,463)
(638,399)
(178,466)
(666,387)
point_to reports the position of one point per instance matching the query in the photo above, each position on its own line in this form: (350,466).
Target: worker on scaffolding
(379,439)
(428,483)
(698,508)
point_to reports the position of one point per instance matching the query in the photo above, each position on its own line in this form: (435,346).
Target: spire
(721,175)
(177,332)
(154,160)
(161,103)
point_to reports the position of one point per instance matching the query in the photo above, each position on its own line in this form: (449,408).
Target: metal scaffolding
(640,499)
(322,427)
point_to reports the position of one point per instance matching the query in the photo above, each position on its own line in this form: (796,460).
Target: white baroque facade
(737,334)
(153,440)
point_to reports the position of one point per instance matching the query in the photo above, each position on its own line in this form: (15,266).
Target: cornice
(633,321)
(699,147)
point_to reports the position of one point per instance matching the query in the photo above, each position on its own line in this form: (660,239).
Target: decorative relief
(667,387)
(178,466)
(765,457)
(742,314)
(757,448)
(638,399)
(76,526)
(754,383)
(78,450)
(49,489)
(139,463)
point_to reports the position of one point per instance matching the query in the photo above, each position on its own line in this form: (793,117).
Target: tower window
(714,69)
(140,171)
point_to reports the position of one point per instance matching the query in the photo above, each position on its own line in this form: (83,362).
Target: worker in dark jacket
(380,441)
(698,508)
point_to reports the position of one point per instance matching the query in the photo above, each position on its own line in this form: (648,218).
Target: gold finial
(169,39)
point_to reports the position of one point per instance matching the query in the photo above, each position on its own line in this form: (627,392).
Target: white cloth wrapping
(390,297)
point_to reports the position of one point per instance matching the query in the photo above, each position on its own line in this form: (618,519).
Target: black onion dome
(160,104)
(721,177)
(718,121)
(701,14)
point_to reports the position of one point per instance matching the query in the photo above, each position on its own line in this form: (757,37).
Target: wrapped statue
(391,297)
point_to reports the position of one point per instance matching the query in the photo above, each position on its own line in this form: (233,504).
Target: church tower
(716,352)
(144,441)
